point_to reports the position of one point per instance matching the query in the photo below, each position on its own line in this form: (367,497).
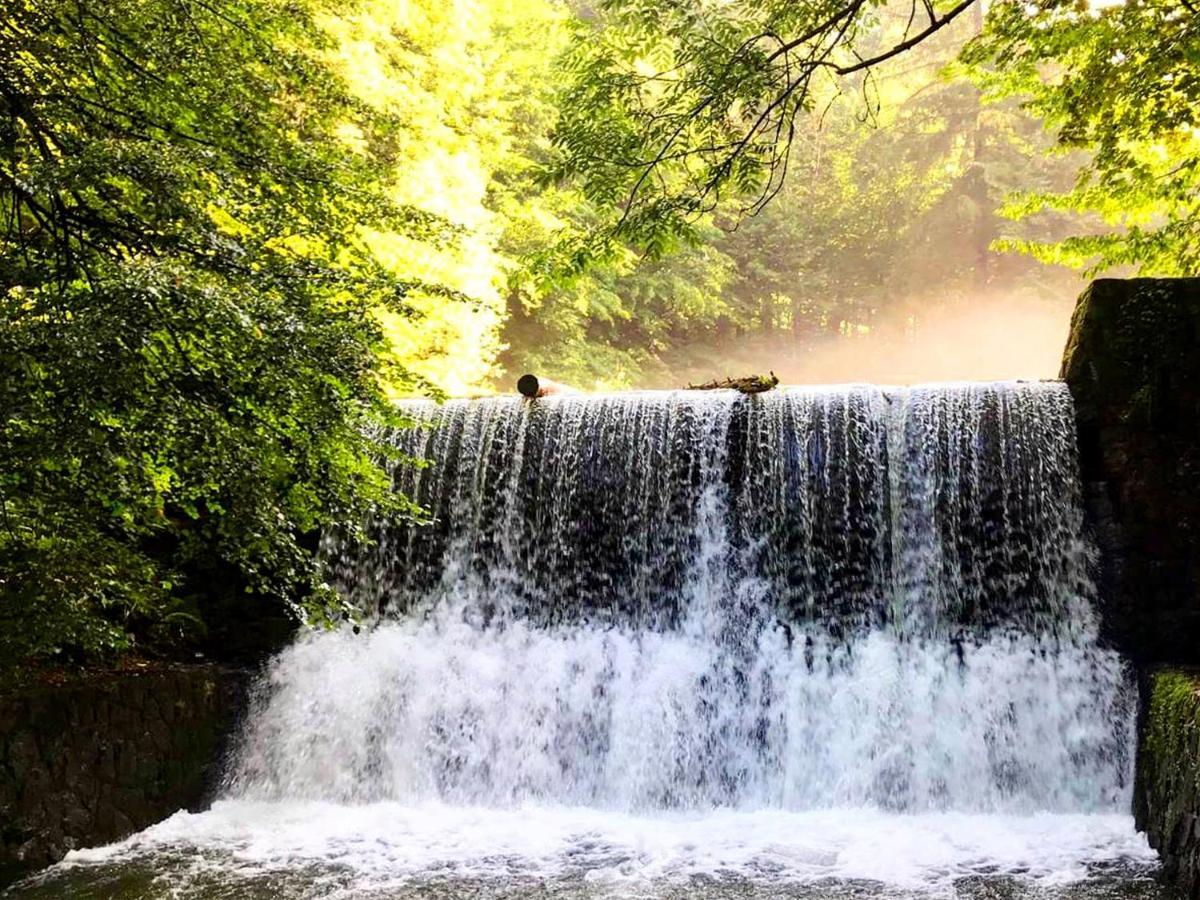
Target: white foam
(644,721)
(377,845)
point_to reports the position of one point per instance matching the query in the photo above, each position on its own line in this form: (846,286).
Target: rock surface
(1133,367)
(1167,800)
(89,763)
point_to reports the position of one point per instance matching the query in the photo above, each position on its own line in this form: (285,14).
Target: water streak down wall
(935,510)
(692,600)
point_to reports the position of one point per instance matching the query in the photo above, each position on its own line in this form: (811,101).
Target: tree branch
(934,27)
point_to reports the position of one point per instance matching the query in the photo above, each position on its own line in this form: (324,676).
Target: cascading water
(697,600)
(840,632)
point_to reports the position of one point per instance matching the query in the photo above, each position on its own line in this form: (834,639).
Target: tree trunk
(531,386)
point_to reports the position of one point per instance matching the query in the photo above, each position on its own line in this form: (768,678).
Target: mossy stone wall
(1167,800)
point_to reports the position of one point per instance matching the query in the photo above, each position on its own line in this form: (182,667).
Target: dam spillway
(838,633)
(927,511)
(799,600)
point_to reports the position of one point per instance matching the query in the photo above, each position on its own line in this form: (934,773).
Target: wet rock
(1167,795)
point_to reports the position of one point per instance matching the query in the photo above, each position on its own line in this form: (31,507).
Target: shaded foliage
(189,368)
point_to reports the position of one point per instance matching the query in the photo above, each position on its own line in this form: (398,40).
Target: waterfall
(701,601)
(813,643)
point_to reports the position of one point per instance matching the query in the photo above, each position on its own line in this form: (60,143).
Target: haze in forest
(887,256)
(990,339)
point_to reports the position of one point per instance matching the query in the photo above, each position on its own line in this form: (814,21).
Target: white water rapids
(654,638)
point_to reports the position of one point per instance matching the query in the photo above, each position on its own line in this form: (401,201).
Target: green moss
(1170,753)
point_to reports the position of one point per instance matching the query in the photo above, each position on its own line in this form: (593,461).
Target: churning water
(810,643)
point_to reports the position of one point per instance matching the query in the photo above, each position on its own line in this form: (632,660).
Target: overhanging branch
(787,70)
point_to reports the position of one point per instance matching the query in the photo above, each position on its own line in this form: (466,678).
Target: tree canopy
(188,364)
(679,106)
(1121,82)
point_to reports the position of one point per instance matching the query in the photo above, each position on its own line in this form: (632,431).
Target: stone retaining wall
(1133,366)
(1167,801)
(90,763)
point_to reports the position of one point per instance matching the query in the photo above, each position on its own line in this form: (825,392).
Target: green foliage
(596,313)
(609,325)
(1120,82)
(888,210)
(190,369)
(676,108)
(465,82)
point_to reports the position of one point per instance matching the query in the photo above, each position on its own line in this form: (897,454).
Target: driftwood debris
(752,384)
(532,386)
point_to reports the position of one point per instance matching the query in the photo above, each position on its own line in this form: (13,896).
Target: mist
(992,339)
(988,338)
